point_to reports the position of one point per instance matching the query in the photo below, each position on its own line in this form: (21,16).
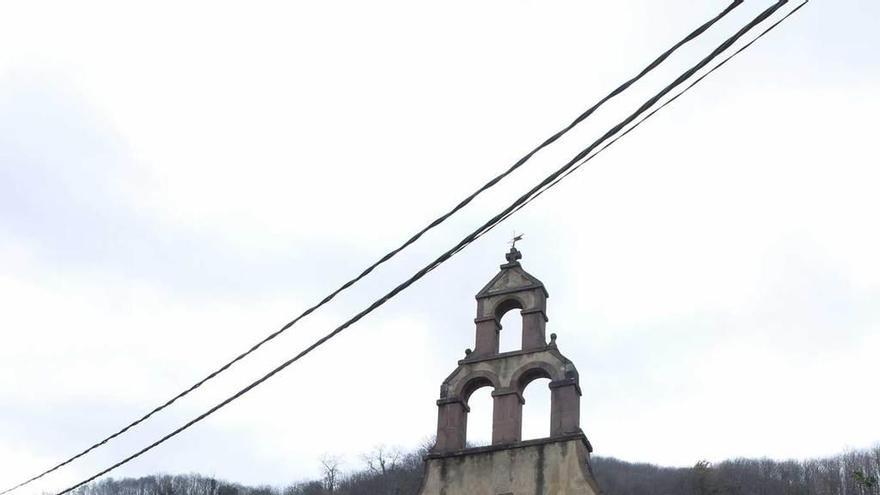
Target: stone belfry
(556,465)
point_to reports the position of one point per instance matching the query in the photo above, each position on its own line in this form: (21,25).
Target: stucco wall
(538,467)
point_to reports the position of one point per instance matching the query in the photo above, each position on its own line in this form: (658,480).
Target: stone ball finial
(552,339)
(467,352)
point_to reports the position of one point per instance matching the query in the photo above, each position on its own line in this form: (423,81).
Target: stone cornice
(516,445)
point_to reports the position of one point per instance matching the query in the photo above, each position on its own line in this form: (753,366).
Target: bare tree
(382,459)
(330,469)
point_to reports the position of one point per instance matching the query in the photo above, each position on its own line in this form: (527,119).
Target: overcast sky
(178,179)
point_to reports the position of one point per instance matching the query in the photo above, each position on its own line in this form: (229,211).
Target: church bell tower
(556,465)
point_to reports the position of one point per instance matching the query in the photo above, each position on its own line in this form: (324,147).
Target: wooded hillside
(390,472)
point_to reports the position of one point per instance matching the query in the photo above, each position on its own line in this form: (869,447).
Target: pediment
(511,278)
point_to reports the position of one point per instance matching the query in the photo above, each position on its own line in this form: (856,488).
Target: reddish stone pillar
(451,425)
(565,407)
(487,337)
(507,417)
(533,324)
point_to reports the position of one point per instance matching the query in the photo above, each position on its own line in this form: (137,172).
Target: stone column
(565,407)
(507,417)
(533,324)
(487,337)
(451,425)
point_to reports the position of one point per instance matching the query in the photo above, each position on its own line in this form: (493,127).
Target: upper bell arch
(512,288)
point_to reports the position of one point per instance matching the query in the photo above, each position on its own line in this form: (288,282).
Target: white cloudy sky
(177,179)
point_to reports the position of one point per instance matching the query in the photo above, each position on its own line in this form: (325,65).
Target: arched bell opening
(479,421)
(477,396)
(536,409)
(532,382)
(510,321)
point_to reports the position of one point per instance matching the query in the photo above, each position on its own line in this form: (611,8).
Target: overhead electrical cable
(623,87)
(491,224)
(661,107)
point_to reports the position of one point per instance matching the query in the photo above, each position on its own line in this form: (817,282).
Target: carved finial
(467,352)
(552,339)
(513,256)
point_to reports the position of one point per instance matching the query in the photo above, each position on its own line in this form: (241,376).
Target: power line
(488,226)
(650,67)
(661,107)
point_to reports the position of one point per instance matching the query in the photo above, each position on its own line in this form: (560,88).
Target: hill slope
(392,473)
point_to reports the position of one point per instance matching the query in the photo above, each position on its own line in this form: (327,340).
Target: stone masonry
(557,465)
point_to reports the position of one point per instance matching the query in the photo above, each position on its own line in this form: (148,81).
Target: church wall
(536,467)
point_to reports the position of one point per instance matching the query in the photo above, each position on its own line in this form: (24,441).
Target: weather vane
(516,237)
